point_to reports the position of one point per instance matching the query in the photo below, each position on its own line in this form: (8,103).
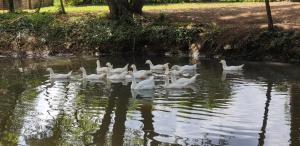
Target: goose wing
(95,76)
(240,67)
(141,74)
(101,69)
(62,76)
(146,84)
(158,67)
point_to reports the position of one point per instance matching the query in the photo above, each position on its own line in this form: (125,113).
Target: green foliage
(88,32)
(31,22)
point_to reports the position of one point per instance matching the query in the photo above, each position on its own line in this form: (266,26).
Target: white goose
(180,83)
(173,85)
(121,76)
(172,72)
(230,68)
(129,75)
(91,76)
(58,76)
(143,85)
(184,67)
(141,74)
(176,67)
(100,69)
(116,70)
(155,67)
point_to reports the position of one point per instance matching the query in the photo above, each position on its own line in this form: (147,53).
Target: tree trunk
(119,9)
(269,15)
(113,10)
(62,7)
(39,8)
(87,2)
(138,6)
(122,9)
(11,6)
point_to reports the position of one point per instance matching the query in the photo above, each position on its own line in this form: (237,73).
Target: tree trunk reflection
(262,134)
(146,113)
(295,115)
(100,135)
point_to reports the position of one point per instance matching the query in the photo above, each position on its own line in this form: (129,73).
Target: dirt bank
(234,32)
(237,15)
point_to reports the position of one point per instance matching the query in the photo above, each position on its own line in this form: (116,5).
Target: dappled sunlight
(285,13)
(238,15)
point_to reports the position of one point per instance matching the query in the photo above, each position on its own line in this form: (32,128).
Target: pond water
(258,106)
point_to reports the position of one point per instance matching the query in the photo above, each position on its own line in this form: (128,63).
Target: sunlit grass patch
(186,6)
(78,9)
(156,7)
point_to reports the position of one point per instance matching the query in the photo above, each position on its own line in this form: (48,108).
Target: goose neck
(133,83)
(109,71)
(224,64)
(83,73)
(109,65)
(134,68)
(167,71)
(173,78)
(98,64)
(51,72)
(151,64)
(167,81)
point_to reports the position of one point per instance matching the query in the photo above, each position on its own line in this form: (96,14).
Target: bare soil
(249,15)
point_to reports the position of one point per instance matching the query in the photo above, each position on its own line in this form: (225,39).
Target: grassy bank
(232,30)
(153,7)
(88,33)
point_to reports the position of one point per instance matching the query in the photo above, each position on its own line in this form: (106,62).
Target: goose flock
(177,77)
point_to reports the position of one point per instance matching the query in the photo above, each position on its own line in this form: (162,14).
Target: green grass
(147,8)
(77,9)
(187,6)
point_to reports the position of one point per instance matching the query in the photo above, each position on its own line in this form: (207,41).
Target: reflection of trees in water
(51,140)
(76,119)
(18,92)
(262,134)
(99,137)
(276,77)
(21,90)
(119,98)
(147,120)
(120,115)
(75,124)
(46,108)
(211,92)
(295,114)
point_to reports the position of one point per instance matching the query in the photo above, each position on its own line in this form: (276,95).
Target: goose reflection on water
(86,82)
(123,82)
(211,113)
(58,97)
(143,94)
(231,72)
